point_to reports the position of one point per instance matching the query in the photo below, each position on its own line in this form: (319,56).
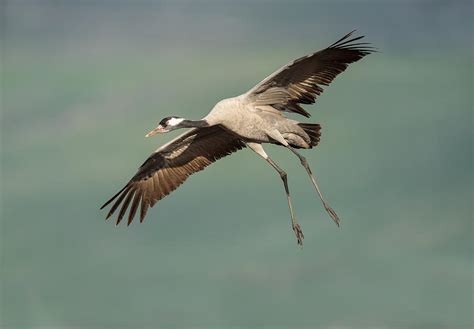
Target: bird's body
(248,120)
(256,123)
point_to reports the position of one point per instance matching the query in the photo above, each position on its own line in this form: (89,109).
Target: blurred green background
(82,82)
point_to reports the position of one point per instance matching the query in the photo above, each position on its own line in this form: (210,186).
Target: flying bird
(249,120)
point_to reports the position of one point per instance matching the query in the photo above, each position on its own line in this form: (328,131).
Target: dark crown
(164,122)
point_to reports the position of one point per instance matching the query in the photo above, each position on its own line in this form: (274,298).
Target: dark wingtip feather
(134,207)
(125,205)
(113,198)
(341,44)
(364,48)
(121,196)
(343,38)
(143,209)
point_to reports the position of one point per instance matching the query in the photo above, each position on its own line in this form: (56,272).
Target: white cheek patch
(175,121)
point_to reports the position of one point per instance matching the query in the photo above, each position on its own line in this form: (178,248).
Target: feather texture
(167,168)
(301,81)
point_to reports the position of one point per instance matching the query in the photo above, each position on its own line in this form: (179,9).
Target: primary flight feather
(248,120)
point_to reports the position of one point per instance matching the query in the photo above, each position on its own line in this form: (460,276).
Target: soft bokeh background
(83,81)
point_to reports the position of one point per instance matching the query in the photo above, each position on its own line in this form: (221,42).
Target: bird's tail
(313,130)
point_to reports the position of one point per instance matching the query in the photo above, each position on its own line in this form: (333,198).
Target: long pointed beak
(157,130)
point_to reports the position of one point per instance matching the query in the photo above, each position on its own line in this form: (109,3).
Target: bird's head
(166,125)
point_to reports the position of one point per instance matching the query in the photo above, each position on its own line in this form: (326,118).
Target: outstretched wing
(169,166)
(300,81)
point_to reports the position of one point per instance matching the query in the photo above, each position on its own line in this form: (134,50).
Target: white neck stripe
(175,121)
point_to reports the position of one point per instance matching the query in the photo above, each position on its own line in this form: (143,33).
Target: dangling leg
(257,148)
(279,138)
(330,211)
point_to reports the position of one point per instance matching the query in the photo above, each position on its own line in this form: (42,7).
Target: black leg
(294,225)
(330,211)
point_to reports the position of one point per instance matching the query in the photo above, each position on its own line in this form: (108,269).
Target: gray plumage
(247,120)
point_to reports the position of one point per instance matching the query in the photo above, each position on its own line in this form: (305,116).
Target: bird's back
(253,123)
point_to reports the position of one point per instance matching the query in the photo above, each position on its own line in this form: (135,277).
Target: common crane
(248,120)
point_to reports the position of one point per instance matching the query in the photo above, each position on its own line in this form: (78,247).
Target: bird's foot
(333,214)
(299,234)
